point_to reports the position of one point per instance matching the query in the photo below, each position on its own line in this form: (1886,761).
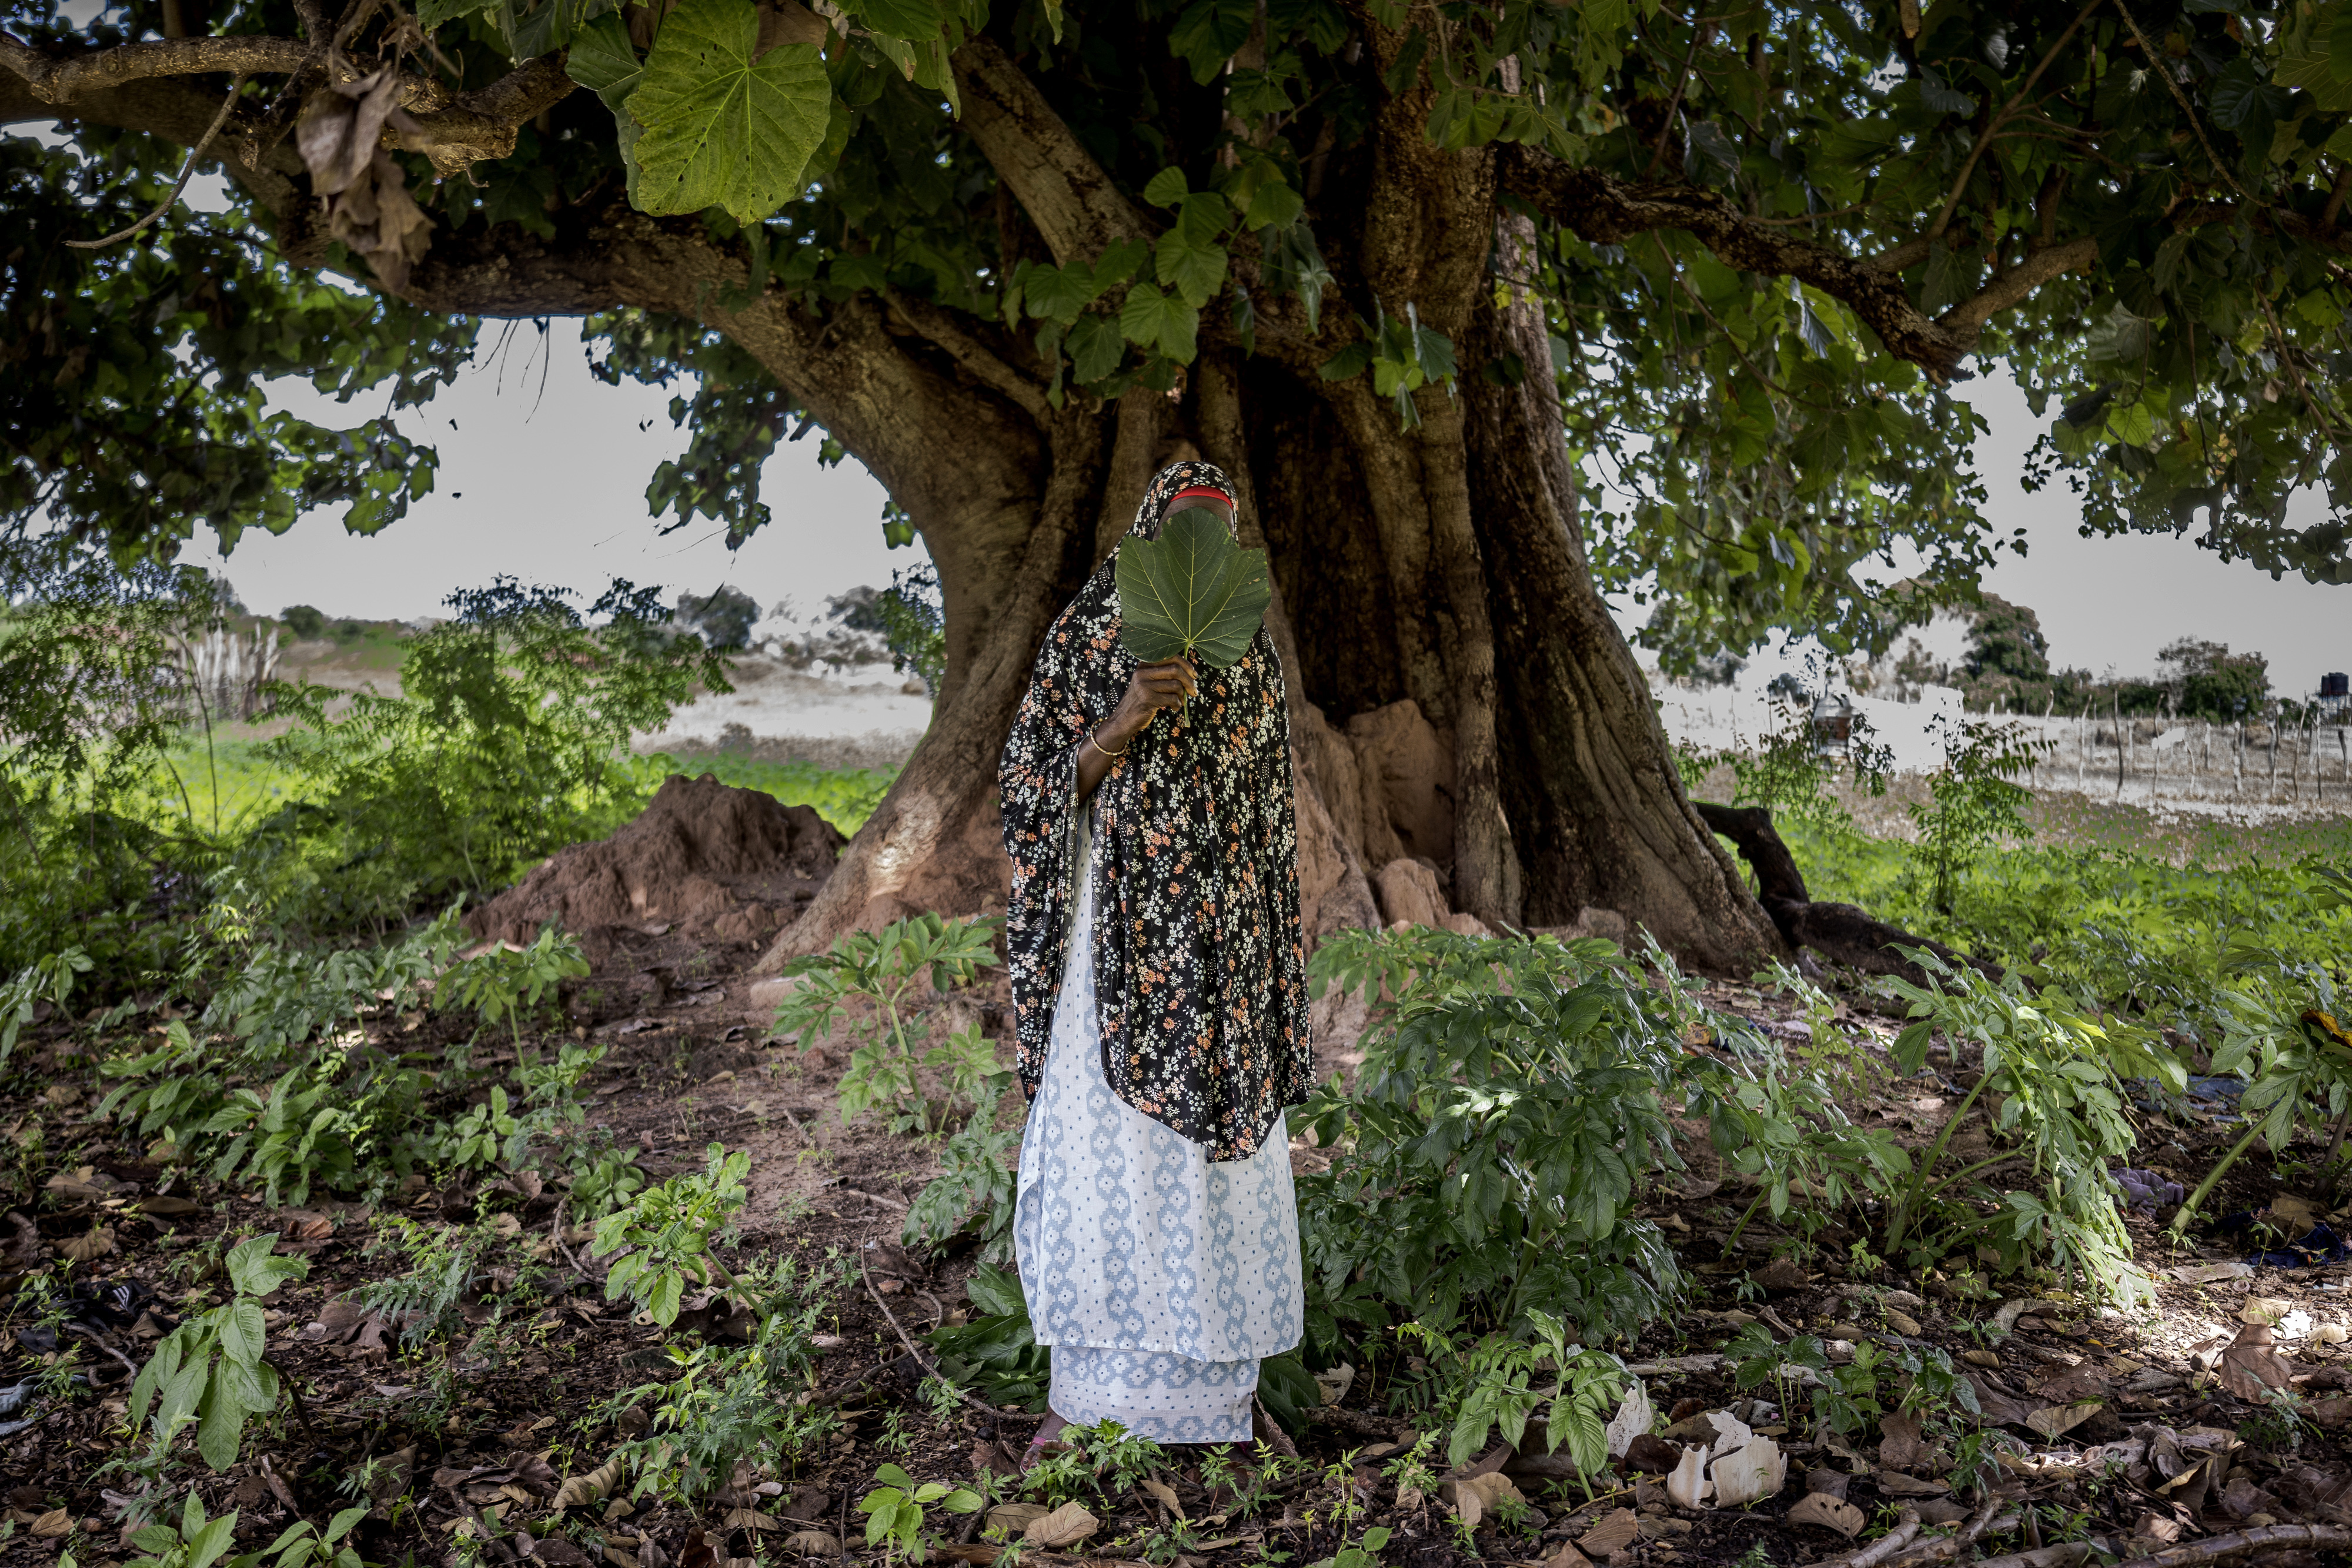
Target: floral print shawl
(1200,971)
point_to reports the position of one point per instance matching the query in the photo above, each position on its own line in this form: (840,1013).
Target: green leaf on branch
(1348,363)
(1166,188)
(1056,293)
(1275,205)
(722,129)
(1161,321)
(1096,348)
(916,21)
(603,60)
(431,13)
(1193,267)
(1117,263)
(1206,35)
(1191,591)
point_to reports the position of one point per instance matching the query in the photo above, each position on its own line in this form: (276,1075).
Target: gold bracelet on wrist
(1093,741)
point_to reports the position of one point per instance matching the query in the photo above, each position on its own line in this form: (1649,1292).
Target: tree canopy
(1767,240)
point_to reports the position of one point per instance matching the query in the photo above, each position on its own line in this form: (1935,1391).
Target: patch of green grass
(240,782)
(844,796)
(2138,920)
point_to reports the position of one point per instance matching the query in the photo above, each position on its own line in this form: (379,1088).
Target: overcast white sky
(544,472)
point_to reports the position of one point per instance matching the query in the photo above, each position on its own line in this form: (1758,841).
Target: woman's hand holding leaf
(1153,687)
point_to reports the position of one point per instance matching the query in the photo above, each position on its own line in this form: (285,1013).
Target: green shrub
(666,1235)
(721,1405)
(211,1369)
(1974,802)
(2053,1079)
(509,740)
(280,1082)
(503,984)
(1511,1101)
(974,1188)
(877,987)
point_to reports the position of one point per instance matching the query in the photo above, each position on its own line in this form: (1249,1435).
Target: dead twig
(2239,1542)
(2066,1554)
(555,1234)
(1988,1521)
(95,1338)
(1885,1548)
(925,1361)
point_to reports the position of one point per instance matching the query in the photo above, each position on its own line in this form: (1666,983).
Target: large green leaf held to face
(1191,591)
(721,129)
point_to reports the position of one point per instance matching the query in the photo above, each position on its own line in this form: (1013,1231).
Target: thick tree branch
(481,125)
(1605,210)
(60,81)
(1966,319)
(1066,193)
(984,362)
(452,132)
(174,110)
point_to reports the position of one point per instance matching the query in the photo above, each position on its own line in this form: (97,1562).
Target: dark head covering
(1199,974)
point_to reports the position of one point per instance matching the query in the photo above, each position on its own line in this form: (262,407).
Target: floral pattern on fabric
(1199,966)
(1129,1236)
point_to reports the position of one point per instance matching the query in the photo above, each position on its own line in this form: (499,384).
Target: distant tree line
(2007,668)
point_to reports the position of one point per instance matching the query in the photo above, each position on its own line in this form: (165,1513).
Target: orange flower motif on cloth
(1213,934)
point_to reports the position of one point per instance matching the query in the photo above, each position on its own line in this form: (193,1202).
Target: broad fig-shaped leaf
(721,129)
(1192,590)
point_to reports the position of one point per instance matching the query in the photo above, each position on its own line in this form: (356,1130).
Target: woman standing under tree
(1158,981)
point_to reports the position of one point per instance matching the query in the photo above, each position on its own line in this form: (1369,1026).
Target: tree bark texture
(1466,713)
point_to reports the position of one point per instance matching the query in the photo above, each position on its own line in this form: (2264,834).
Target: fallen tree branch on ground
(2243,1543)
(1839,932)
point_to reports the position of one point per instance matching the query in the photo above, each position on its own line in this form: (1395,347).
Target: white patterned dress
(1160,1279)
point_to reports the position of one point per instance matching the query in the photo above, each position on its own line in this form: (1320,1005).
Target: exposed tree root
(1840,931)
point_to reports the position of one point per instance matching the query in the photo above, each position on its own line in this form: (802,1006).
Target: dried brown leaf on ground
(1066,1526)
(582,1492)
(1166,1495)
(1830,1514)
(2072,1384)
(1903,1447)
(2054,1421)
(1014,1517)
(2252,1365)
(1615,1532)
(96,1242)
(812,1544)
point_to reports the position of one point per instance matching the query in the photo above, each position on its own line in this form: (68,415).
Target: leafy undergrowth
(638,1296)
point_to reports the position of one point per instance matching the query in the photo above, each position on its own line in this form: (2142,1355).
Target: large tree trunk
(1461,695)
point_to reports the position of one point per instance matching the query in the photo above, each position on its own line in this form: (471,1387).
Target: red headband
(1201,492)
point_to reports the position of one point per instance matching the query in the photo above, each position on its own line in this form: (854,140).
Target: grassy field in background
(233,784)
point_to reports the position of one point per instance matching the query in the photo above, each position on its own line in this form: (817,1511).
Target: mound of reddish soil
(715,863)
